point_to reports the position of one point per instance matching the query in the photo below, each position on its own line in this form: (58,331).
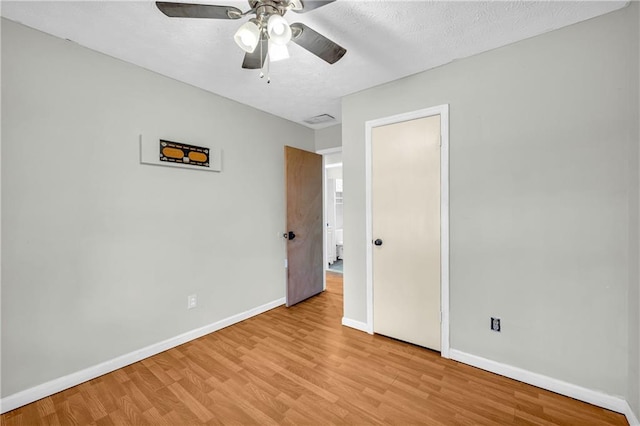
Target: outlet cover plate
(192,301)
(495,324)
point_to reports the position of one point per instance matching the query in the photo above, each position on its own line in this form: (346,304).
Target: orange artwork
(176,152)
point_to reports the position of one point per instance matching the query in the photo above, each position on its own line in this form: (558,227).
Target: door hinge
(440,140)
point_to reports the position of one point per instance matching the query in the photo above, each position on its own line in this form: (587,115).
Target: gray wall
(329,137)
(634,275)
(99,252)
(540,137)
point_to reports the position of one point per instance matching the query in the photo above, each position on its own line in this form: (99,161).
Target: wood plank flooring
(300,366)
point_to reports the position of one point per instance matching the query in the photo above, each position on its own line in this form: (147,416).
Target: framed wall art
(164,152)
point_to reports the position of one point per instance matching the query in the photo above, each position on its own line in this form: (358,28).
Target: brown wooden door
(303,176)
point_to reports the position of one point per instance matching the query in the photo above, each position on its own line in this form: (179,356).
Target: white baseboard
(35,393)
(631,416)
(600,399)
(358,325)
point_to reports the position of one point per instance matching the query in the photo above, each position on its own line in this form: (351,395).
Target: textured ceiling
(385,40)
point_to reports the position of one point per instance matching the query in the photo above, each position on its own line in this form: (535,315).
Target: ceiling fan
(268,33)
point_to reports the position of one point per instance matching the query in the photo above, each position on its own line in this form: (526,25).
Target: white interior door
(406,230)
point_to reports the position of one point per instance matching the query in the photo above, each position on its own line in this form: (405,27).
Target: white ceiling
(385,40)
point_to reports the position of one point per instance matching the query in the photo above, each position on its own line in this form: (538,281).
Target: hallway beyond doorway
(337,266)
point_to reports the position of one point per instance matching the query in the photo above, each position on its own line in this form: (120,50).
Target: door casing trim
(443,111)
(325,239)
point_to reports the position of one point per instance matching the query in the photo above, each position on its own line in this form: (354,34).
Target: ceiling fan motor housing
(265,8)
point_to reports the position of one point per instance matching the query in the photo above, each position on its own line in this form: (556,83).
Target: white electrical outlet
(192,301)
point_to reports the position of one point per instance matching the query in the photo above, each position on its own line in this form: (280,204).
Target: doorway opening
(333,210)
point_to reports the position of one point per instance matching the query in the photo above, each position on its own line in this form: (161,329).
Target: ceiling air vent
(319,119)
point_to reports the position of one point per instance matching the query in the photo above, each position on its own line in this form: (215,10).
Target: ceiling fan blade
(316,43)
(188,10)
(308,5)
(255,60)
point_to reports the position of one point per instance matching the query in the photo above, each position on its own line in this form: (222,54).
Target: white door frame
(443,111)
(325,152)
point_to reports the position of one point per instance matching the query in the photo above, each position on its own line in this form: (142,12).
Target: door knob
(289,235)
(378,242)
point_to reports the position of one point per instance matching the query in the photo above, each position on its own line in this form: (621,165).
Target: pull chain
(267,59)
(268,68)
(261,65)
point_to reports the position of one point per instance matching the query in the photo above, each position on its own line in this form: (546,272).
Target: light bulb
(278,30)
(247,36)
(277,52)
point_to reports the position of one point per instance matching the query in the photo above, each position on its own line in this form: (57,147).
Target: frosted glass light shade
(277,52)
(278,30)
(247,36)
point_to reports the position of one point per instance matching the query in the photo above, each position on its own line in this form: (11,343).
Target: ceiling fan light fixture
(278,30)
(277,52)
(247,36)
(267,28)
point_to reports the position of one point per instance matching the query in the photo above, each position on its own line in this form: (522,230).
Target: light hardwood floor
(300,366)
